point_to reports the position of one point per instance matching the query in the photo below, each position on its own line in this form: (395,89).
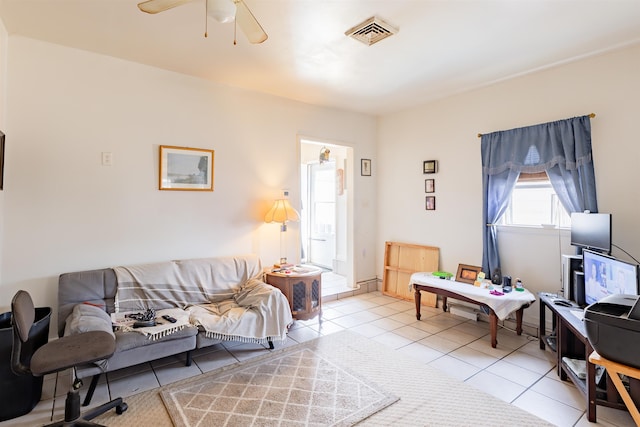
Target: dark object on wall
(1,161)
(19,394)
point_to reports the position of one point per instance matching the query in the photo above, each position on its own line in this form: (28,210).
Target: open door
(326,227)
(322,214)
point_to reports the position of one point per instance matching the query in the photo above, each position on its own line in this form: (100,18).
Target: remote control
(169,318)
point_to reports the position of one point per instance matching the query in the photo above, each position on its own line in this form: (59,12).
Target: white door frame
(345,220)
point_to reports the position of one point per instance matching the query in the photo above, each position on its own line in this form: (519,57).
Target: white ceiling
(442,47)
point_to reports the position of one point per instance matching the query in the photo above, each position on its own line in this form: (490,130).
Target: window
(534,202)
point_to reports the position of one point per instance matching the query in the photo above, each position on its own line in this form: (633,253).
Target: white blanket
(224,296)
(249,317)
(502,305)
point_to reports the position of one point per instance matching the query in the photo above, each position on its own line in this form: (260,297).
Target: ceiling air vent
(371,31)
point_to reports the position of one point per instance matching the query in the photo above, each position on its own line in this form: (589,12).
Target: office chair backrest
(24,314)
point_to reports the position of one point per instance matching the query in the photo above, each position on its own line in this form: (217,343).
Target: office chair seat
(59,355)
(72,350)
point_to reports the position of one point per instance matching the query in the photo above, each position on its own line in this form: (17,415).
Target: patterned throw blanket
(224,296)
(162,328)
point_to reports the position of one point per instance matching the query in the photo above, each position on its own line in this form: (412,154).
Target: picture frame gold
(467,273)
(186,168)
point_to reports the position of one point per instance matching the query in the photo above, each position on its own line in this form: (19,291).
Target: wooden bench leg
(519,321)
(493,322)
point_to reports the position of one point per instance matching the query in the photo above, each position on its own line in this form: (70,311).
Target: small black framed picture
(365,167)
(430,166)
(431,203)
(429,185)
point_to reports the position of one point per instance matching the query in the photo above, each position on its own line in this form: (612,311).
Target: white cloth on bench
(502,305)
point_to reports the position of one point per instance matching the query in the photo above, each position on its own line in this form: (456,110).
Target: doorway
(326,227)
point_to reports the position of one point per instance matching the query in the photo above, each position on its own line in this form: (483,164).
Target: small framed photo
(431,203)
(186,169)
(430,166)
(365,167)
(429,185)
(467,273)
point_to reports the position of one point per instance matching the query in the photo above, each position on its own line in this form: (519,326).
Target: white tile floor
(517,371)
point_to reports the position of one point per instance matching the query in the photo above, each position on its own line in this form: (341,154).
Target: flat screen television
(591,231)
(605,275)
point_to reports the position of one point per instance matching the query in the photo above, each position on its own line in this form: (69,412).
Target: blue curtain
(561,148)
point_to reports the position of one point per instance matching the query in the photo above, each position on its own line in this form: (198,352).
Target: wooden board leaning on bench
(401,260)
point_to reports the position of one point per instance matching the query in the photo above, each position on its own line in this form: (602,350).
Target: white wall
(607,85)
(63,211)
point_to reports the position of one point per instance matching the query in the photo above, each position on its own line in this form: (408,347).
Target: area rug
(428,397)
(297,387)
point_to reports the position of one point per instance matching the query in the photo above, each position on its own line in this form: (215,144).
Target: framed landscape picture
(186,169)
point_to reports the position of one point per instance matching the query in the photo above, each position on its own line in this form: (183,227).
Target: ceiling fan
(221,10)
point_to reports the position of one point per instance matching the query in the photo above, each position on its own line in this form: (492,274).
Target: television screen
(605,275)
(591,231)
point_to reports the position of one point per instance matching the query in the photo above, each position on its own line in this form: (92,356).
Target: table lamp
(282,212)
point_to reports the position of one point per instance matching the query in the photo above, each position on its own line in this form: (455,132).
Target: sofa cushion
(86,318)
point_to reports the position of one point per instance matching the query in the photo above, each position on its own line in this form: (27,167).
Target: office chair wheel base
(121,408)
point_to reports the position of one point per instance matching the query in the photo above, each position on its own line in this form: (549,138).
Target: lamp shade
(221,10)
(281,212)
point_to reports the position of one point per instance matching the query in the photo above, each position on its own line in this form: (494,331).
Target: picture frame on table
(430,203)
(467,273)
(429,185)
(365,167)
(430,166)
(186,169)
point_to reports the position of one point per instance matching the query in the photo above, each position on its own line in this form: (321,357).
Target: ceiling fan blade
(155,6)
(248,23)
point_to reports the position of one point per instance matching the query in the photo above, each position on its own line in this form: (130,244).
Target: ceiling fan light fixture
(222,11)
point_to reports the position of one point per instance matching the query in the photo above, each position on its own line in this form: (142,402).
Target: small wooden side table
(303,289)
(614,369)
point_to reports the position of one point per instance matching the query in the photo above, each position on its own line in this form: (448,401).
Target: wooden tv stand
(572,342)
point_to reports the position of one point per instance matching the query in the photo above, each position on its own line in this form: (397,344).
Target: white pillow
(86,318)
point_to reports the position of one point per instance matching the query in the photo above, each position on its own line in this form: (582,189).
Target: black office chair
(59,355)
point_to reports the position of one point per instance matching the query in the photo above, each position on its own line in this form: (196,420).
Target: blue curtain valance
(538,148)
